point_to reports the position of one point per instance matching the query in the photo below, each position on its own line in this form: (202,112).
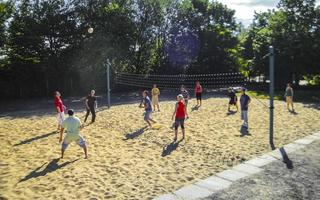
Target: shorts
(233,101)
(289,99)
(179,122)
(198,96)
(155,100)
(244,115)
(73,138)
(147,115)
(60,118)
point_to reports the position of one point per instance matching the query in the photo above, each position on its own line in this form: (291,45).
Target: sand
(128,160)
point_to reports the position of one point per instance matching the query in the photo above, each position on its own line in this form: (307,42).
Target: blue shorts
(147,115)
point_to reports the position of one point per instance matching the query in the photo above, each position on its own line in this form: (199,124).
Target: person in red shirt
(180,113)
(198,93)
(60,108)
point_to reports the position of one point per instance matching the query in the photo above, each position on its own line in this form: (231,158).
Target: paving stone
(167,197)
(231,175)
(275,153)
(214,183)
(192,192)
(289,148)
(249,169)
(304,141)
(259,162)
(313,137)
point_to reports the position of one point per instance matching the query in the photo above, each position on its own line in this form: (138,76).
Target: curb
(207,187)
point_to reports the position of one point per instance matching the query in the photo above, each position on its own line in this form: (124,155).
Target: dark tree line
(45,45)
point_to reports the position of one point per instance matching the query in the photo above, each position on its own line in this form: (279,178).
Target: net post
(271,93)
(108,83)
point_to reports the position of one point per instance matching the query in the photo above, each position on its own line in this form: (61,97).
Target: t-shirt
(180,110)
(289,92)
(155,91)
(198,89)
(232,95)
(185,94)
(58,103)
(147,103)
(91,100)
(244,100)
(72,125)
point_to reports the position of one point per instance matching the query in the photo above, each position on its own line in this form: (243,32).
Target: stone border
(207,187)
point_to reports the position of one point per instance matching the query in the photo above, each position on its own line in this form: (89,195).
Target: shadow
(231,112)
(168,149)
(285,158)
(135,134)
(293,112)
(244,131)
(195,108)
(35,138)
(51,167)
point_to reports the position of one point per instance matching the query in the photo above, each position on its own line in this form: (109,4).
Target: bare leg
(158,107)
(229,107)
(237,107)
(175,134)
(85,152)
(152,120)
(183,133)
(148,123)
(62,152)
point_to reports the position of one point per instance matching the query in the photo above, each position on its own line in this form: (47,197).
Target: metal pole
(271,75)
(108,82)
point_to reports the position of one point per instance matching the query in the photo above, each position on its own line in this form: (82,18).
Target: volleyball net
(209,81)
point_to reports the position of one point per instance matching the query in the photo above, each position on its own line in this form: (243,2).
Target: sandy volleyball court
(129,161)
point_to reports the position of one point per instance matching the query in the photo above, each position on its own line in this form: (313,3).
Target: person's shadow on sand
(168,149)
(51,167)
(35,138)
(195,108)
(231,112)
(293,112)
(135,134)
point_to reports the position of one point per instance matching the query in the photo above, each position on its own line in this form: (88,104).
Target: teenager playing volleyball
(198,93)
(73,126)
(289,97)
(179,114)
(148,107)
(60,108)
(233,99)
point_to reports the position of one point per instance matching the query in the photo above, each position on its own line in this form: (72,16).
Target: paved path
(266,177)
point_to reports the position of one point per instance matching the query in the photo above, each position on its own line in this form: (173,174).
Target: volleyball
(90,30)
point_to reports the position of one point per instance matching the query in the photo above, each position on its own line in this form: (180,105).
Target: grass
(299,95)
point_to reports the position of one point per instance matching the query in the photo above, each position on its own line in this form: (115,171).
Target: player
(148,108)
(179,114)
(60,108)
(289,97)
(244,102)
(73,126)
(91,105)
(198,93)
(233,99)
(155,97)
(185,95)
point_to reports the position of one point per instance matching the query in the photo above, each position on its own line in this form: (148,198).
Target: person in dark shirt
(148,107)
(91,105)
(233,99)
(244,102)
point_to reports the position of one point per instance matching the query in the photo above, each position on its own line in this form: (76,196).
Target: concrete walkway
(292,172)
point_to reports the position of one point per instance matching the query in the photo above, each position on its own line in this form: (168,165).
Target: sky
(245,8)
